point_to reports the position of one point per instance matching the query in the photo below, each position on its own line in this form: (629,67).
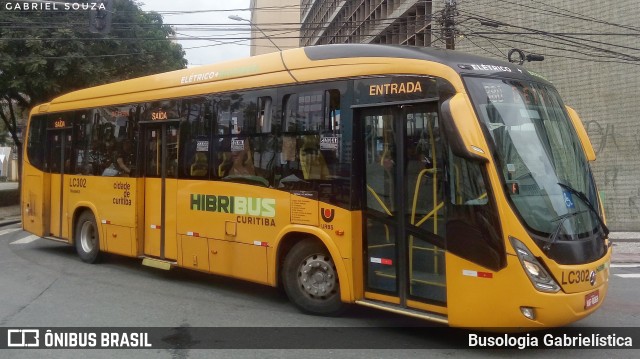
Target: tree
(46,53)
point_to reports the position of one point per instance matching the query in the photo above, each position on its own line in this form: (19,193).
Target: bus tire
(87,238)
(310,279)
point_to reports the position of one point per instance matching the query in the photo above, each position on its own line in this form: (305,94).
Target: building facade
(591,50)
(405,22)
(8,165)
(279,20)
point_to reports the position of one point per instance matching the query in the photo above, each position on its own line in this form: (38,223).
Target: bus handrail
(417,189)
(375,195)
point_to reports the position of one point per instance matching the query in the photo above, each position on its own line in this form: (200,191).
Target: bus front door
(160,141)
(59,143)
(403,206)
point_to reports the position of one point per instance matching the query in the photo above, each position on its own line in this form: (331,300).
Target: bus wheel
(87,238)
(310,279)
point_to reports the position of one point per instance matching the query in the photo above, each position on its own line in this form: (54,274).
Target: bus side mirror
(463,131)
(582,134)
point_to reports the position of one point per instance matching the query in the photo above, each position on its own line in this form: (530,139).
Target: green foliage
(46,53)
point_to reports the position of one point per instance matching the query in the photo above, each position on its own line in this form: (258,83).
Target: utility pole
(100,18)
(449,24)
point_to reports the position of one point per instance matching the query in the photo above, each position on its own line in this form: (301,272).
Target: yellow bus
(426,182)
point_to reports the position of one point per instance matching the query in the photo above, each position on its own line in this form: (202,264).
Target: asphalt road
(44,284)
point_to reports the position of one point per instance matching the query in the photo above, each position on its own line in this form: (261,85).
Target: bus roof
(461,62)
(302,64)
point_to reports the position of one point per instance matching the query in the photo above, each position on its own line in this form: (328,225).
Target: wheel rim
(88,238)
(317,277)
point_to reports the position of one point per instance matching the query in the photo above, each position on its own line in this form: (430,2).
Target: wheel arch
(291,237)
(81,208)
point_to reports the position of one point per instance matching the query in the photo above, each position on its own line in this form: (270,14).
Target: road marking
(633,275)
(7,231)
(26,240)
(626,265)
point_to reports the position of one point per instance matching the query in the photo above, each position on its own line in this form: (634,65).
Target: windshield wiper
(586,201)
(554,235)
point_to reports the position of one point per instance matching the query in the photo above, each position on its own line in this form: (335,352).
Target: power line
(585,43)
(264,26)
(580,16)
(592,57)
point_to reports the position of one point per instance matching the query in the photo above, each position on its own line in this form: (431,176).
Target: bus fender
(79,207)
(346,293)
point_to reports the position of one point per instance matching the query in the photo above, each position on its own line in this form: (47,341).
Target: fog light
(528,312)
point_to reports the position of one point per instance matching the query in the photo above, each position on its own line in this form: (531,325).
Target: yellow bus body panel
(33,193)
(582,134)
(475,301)
(469,127)
(112,200)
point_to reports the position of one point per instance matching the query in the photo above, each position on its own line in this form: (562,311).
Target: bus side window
(264,141)
(304,123)
(36,144)
(314,151)
(473,227)
(288,167)
(82,148)
(467,184)
(237,121)
(195,138)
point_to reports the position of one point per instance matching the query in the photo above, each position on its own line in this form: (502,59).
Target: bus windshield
(539,155)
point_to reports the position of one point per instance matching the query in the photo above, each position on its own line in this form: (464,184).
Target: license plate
(591,299)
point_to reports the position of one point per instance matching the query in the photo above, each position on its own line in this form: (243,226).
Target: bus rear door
(160,142)
(59,141)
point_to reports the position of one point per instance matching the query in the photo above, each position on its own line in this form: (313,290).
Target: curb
(9,221)
(624,240)
(624,237)
(625,258)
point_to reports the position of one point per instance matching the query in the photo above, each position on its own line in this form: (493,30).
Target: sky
(207,51)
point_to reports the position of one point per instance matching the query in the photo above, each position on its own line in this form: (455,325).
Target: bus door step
(404,311)
(158,263)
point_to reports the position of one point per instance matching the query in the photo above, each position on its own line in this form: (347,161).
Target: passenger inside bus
(200,165)
(239,161)
(124,159)
(153,166)
(311,159)
(108,154)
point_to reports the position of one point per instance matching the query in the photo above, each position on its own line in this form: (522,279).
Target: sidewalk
(9,203)
(624,236)
(9,215)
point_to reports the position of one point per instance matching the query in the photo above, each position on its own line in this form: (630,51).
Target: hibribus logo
(263,207)
(327,214)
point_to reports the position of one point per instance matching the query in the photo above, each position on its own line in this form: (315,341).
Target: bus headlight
(540,278)
(528,312)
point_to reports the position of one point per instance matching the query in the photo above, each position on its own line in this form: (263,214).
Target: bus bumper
(498,302)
